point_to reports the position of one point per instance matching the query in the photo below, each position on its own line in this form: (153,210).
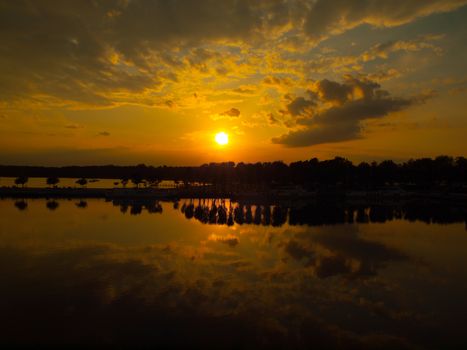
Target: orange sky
(152,82)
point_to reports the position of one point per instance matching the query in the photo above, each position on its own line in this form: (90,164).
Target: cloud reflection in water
(332,286)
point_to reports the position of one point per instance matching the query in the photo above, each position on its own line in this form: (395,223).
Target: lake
(322,274)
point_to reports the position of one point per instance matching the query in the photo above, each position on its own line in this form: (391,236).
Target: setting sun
(222,138)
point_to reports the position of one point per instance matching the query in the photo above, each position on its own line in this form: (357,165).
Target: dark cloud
(351,89)
(102,53)
(85,52)
(353,101)
(333,91)
(300,106)
(232,112)
(162,23)
(347,254)
(318,135)
(299,251)
(58,50)
(348,243)
(332,266)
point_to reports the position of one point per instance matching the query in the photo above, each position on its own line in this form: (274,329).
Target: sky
(129,82)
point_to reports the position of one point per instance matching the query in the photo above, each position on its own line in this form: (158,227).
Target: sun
(222,138)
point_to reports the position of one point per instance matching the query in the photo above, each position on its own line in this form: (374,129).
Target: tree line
(313,173)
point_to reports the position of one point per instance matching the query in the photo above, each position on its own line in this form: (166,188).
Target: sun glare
(222,138)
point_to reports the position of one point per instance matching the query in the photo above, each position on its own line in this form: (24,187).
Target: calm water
(97,272)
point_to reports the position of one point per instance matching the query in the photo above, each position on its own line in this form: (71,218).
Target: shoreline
(206,192)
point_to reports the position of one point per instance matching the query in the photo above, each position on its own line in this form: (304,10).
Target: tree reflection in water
(52,205)
(21,204)
(315,214)
(81,204)
(225,212)
(137,206)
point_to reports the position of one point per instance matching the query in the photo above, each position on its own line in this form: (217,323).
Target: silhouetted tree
(313,174)
(124,181)
(21,180)
(387,172)
(82,182)
(52,181)
(137,179)
(364,174)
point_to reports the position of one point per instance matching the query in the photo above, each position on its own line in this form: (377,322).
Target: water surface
(96,272)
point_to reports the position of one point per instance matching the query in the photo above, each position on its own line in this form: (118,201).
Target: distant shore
(208,192)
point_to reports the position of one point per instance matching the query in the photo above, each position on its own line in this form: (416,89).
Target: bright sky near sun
(222,138)
(126,82)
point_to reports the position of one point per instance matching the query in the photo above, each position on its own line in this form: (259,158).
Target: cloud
(344,63)
(245,90)
(277,288)
(352,102)
(276,81)
(384,49)
(106,53)
(458,90)
(330,17)
(272,119)
(333,91)
(321,134)
(299,251)
(168,287)
(229,240)
(232,112)
(58,52)
(300,106)
(161,23)
(73,126)
(384,74)
(104,133)
(334,251)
